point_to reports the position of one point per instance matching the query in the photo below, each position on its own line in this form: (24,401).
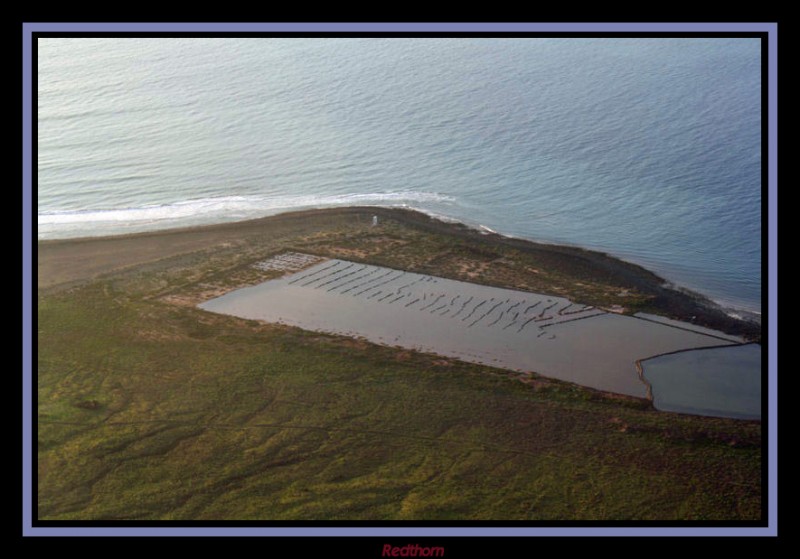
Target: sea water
(649,149)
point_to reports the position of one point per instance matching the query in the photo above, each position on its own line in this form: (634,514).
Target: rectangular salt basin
(687,326)
(504,328)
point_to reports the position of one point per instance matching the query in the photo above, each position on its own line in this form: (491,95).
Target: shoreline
(65,262)
(739,310)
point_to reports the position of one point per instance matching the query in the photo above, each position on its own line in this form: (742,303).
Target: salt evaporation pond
(721,382)
(504,328)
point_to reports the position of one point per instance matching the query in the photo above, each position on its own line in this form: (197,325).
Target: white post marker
(374,220)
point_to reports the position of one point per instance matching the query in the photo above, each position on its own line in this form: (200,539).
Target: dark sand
(74,260)
(517,330)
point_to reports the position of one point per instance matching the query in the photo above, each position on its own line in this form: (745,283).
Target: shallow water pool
(721,382)
(516,330)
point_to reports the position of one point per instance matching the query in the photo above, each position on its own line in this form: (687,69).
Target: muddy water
(722,382)
(505,328)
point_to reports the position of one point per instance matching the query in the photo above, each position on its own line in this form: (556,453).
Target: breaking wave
(213,210)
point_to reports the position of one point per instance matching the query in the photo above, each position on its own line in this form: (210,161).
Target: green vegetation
(149,408)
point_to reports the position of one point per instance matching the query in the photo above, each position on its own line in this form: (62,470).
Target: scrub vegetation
(149,408)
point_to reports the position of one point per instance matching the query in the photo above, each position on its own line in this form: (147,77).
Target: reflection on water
(722,382)
(544,334)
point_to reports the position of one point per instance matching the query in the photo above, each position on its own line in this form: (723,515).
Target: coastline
(66,262)
(135,383)
(734,305)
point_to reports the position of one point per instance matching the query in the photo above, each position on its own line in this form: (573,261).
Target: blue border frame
(27,357)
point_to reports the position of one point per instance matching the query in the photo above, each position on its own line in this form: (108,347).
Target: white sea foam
(225,208)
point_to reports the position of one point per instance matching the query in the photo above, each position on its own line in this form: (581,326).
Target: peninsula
(151,407)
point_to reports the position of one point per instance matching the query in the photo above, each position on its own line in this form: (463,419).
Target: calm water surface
(645,148)
(720,382)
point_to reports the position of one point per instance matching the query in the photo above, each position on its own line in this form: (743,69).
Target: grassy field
(149,408)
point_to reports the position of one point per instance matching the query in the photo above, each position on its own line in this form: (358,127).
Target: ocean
(648,149)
